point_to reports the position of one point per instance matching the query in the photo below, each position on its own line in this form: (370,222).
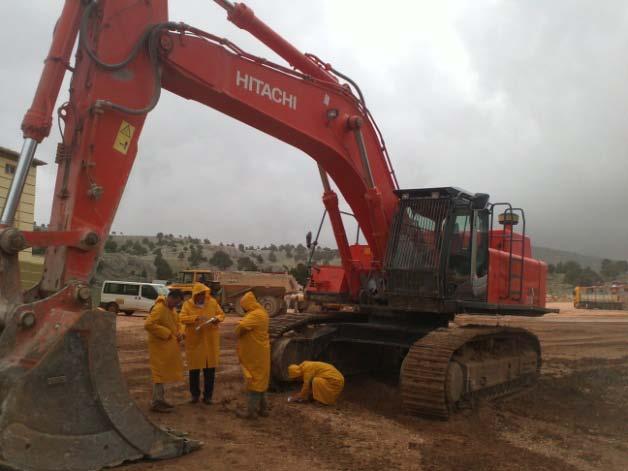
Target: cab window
(113,288)
(460,248)
(131,290)
(149,292)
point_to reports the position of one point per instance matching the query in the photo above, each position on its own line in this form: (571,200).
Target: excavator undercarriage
(441,369)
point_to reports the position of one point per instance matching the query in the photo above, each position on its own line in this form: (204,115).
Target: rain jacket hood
(200,288)
(294,371)
(249,302)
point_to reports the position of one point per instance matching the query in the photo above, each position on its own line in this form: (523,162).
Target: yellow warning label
(123,139)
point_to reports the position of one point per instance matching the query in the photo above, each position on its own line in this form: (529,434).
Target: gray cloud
(523,100)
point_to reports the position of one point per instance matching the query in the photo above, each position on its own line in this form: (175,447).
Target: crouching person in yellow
(201,315)
(321,381)
(164,336)
(254,355)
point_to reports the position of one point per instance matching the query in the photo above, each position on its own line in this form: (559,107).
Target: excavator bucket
(64,404)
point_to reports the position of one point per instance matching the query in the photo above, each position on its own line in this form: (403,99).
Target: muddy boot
(159,407)
(252,407)
(263,406)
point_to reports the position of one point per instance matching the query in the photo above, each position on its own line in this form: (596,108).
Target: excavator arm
(124,61)
(53,344)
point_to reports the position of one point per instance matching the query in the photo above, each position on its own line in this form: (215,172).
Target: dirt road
(574,419)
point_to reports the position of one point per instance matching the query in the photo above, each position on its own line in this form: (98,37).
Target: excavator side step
(65,405)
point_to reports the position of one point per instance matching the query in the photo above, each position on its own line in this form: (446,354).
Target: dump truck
(613,296)
(229,286)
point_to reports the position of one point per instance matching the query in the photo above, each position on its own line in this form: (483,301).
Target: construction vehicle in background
(613,296)
(228,287)
(428,254)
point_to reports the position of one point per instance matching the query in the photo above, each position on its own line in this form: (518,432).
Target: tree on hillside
(300,273)
(196,256)
(246,264)
(586,277)
(260,258)
(272,257)
(164,271)
(300,252)
(206,242)
(241,248)
(221,260)
(577,276)
(612,269)
(111,246)
(138,249)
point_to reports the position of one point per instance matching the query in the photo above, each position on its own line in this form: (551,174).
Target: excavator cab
(438,250)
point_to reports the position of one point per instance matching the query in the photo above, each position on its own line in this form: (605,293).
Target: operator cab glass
(437,250)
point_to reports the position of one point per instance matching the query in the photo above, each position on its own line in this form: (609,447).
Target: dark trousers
(208,382)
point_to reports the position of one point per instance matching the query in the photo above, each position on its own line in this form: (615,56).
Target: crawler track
(424,374)
(281,324)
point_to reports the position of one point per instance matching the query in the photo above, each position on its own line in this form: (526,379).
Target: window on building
(9,169)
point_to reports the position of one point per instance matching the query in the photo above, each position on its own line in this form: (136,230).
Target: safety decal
(123,139)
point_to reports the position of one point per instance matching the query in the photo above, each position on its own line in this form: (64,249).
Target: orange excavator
(429,254)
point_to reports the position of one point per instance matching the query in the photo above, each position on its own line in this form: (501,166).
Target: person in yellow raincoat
(254,355)
(164,335)
(201,315)
(321,381)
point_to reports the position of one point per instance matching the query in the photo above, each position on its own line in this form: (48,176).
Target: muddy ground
(576,418)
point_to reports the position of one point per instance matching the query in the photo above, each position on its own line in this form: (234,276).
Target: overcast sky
(525,100)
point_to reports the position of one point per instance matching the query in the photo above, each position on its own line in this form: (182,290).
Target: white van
(130,296)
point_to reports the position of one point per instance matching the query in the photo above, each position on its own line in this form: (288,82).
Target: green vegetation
(246,264)
(221,260)
(300,273)
(576,275)
(164,271)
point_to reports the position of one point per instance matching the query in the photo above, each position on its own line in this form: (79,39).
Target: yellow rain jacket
(163,326)
(202,347)
(321,380)
(253,344)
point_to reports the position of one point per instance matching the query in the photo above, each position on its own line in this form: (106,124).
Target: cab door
(466,274)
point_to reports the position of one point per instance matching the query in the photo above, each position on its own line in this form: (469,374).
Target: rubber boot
(252,406)
(263,406)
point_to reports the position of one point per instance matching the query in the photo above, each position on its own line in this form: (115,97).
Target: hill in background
(554,257)
(133,258)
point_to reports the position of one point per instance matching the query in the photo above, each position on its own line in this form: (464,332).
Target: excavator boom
(53,343)
(65,405)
